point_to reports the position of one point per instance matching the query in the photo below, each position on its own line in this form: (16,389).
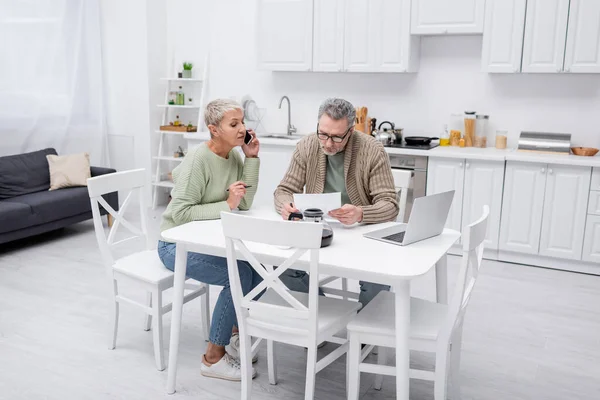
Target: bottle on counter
(469,128)
(445,137)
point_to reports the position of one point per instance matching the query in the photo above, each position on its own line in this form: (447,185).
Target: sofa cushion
(57,204)
(14,216)
(24,173)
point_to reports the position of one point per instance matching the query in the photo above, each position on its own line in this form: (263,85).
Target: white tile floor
(530,333)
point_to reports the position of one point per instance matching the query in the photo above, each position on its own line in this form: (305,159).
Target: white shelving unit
(164,159)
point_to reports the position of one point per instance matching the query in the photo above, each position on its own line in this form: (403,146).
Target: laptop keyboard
(396,237)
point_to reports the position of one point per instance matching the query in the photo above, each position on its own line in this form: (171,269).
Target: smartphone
(247,138)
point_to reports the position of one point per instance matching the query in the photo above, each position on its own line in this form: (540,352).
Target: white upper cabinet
(438,17)
(522,207)
(328,44)
(565,209)
(545,35)
(503,35)
(583,38)
(377,37)
(483,186)
(284,35)
(444,174)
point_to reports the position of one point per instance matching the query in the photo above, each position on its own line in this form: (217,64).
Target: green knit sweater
(201,183)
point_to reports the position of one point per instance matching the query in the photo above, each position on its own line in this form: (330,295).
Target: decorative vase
(187,73)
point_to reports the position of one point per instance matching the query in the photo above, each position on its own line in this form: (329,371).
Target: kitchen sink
(283,136)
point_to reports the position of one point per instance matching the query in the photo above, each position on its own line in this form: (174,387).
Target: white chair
(434,327)
(143,267)
(281,315)
(402,183)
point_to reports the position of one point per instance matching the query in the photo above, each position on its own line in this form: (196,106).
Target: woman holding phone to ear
(214,178)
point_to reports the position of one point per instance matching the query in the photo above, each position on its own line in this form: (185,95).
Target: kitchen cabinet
(583,37)
(522,207)
(565,209)
(544,209)
(476,183)
(591,245)
(444,174)
(431,17)
(483,184)
(284,35)
(274,163)
(504,28)
(328,44)
(545,35)
(377,37)
(594,203)
(595,179)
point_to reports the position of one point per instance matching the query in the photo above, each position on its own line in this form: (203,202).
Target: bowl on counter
(584,151)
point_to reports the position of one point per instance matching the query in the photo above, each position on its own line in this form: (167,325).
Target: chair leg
(345,288)
(353,361)
(381,360)
(455,364)
(148,317)
(113,317)
(246,361)
(159,354)
(109,220)
(440,386)
(272,362)
(205,305)
(311,372)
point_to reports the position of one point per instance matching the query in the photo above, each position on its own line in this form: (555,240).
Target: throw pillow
(70,170)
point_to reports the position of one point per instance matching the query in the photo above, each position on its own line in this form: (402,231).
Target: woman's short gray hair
(337,109)
(216,109)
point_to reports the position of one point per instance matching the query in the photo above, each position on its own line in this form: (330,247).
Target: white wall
(449,80)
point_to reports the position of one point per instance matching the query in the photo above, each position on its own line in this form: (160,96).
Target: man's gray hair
(216,109)
(337,109)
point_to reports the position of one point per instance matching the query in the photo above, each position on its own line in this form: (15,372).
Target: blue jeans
(213,270)
(298,281)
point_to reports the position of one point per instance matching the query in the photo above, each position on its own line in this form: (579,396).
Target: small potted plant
(187,69)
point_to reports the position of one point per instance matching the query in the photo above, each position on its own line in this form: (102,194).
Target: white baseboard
(549,262)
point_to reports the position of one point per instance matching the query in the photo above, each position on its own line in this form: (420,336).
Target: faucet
(291,129)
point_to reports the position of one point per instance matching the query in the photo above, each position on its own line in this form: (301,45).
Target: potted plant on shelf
(187,69)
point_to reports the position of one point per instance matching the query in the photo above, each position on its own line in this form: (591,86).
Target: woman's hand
(251,150)
(237,191)
(287,209)
(348,214)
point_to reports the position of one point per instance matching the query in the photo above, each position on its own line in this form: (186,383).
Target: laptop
(427,219)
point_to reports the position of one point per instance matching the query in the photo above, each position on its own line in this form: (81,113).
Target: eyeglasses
(334,139)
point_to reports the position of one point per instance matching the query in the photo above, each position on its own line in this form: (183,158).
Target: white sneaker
(227,368)
(234,347)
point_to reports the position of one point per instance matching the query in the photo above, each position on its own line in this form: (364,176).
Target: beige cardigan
(367,171)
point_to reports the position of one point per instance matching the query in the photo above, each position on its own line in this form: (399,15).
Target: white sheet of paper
(326,201)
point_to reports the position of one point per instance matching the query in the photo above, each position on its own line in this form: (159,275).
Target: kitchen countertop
(472,153)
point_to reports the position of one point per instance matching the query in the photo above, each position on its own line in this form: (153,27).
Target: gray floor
(530,333)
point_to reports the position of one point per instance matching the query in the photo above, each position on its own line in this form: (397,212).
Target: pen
(244,187)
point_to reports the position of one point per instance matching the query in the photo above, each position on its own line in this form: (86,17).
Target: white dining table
(349,256)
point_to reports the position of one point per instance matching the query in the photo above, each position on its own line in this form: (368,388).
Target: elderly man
(338,159)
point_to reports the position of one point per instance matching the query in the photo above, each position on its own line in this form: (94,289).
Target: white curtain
(51,90)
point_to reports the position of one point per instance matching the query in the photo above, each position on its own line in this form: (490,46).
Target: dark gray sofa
(28,208)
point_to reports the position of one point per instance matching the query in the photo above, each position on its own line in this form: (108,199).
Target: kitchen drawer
(591,243)
(596,179)
(594,203)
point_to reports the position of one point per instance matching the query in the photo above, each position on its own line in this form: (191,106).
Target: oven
(418,166)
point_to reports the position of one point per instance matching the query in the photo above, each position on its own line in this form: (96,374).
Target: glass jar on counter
(445,137)
(456,128)
(481,129)
(501,139)
(469,128)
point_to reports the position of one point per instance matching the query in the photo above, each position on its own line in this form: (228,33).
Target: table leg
(402,295)
(441,280)
(178,292)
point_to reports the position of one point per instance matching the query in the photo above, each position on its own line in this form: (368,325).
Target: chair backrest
(402,182)
(302,236)
(472,257)
(132,182)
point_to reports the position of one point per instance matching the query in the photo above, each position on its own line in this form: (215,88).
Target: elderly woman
(213,178)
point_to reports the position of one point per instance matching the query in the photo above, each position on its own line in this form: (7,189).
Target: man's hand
(251,150)
(347,214)
(287,209)
(237,191)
